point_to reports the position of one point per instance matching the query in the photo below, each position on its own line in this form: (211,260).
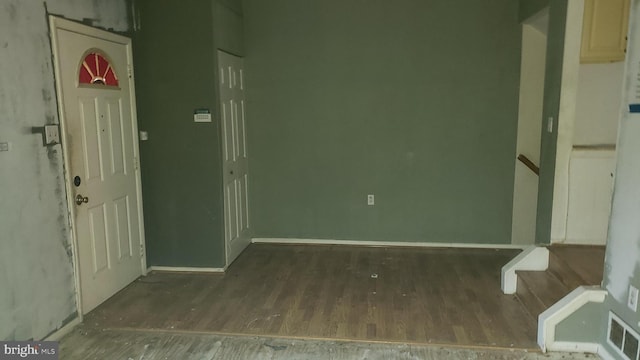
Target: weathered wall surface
(622,261)
(36,271)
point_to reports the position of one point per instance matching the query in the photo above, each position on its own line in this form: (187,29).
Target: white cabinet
(604,31)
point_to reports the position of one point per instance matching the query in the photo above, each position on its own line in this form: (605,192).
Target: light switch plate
(51,135)
(4,146)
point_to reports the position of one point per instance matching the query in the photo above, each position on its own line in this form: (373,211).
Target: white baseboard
(382,243)
(550,318)
(592,348)
(60,333)
(186,269)
(580,347)
(604,354)
(533,258)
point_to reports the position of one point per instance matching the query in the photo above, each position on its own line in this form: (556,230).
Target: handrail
(528,163)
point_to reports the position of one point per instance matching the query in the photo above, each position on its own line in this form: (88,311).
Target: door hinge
(136,163)
(130,71)
(141,250)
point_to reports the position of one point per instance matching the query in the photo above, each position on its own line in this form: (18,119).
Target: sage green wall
(175,74)
(551,108)
(584,325)
(228,26)
(529,8)
(413,101)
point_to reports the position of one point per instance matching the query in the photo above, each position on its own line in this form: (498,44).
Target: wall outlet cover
(371,200)
(632,302)
(51,135)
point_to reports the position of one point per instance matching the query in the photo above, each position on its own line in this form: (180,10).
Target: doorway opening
(532,74)
(96,101)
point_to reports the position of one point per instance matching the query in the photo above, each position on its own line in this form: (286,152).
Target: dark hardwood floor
(88,343)
(408,295)
(570,266)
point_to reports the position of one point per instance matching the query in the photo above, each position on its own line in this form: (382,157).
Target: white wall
(590,190)
(598,103)
(589,112)
(566,119)
(525,191)
(37,293)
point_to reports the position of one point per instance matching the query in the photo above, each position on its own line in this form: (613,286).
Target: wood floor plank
(448,296)
(585,261)
(543,285)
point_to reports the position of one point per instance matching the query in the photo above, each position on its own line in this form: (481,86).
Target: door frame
(530,114)
(56,23)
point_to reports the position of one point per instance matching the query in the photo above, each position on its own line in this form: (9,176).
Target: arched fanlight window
(97,70)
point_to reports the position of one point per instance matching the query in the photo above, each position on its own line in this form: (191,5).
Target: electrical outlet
(51,135)
(632,302)
(371,199)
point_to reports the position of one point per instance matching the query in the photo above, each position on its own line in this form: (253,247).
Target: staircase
(569,267)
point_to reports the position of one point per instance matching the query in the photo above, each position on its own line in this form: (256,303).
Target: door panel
(235,160)
(91,149)
(115,138)
(98,236)
(122,215)
(245,183)
(243,132)
(101,144)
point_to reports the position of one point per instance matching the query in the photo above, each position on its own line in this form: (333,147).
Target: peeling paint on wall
(36,270)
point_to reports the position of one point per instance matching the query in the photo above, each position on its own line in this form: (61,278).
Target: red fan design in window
(95,69)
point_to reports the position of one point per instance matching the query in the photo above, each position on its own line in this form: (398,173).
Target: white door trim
(56,23)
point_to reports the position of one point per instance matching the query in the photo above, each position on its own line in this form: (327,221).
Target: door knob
(81,199)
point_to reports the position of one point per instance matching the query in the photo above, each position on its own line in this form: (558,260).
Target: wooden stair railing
(528,163)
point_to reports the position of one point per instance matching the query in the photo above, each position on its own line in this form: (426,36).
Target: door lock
(81,199)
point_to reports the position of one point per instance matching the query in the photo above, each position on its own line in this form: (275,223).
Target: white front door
(95,90)
(234,155)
